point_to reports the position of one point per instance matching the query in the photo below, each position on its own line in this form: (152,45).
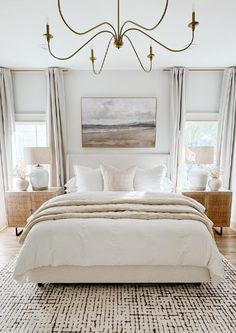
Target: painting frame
(138,130)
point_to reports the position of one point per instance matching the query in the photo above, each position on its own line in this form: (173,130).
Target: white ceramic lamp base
(197,178)
(39,178)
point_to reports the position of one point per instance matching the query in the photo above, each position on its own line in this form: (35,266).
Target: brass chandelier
(118,35)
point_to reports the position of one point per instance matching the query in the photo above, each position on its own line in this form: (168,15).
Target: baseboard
(233,225)
(3,228)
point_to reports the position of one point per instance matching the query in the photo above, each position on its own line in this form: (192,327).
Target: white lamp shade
(199,155)
(37,155)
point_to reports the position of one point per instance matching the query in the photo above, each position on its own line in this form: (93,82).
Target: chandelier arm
(79,49)
(159,43)
(84,32)
(104,59)
(145,28)
(137,56)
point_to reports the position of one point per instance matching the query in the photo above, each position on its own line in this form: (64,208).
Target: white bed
(108,251)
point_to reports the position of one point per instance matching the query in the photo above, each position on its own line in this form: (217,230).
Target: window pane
(41,135)
(199,134)
(29,135)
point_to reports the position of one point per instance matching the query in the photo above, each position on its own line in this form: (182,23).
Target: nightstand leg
(18,233)
(219,232)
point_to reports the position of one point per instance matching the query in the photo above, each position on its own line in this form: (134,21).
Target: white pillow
(88,179)
(71,185)
(167,185)
(150,180)
(118,180)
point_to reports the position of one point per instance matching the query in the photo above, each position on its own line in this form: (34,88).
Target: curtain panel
(227,126)
(6,137)
(226,154)
(56,124)
(177,123)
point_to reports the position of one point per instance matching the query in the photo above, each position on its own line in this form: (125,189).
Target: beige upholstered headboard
(123,160)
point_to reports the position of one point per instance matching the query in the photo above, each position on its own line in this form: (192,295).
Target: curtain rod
(193,69)
(199,69)
(33,69)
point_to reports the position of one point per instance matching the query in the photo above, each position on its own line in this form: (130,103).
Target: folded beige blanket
(178,208)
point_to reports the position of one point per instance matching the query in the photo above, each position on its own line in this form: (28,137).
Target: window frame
(31,119)
(202,116)
(34,118)
(198,117)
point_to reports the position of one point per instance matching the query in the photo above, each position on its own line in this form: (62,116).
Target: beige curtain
(3,216)
(227,126)
(56,124)
(177,122)
(6,138)
(226,154)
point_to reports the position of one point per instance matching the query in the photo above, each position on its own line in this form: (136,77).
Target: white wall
(116,84)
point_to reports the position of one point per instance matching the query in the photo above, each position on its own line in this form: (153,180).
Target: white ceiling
(22,24)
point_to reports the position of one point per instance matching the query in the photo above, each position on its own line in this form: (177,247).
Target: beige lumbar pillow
(118,180)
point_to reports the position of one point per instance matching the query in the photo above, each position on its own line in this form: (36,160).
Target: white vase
(21,184)
(215,184)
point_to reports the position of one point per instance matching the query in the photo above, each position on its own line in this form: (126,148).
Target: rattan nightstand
(22,204)
(218,205)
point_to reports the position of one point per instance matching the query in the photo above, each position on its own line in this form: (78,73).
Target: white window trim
(34,119)
(202,116)
(30,117)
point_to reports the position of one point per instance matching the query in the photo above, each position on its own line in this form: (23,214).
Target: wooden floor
(227,244)
(9,245)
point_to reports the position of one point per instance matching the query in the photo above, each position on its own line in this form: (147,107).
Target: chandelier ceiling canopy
(118,35)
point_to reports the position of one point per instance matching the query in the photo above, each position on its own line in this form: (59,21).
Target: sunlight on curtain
(177,122)
(56,123)
(226,157)
(6,137)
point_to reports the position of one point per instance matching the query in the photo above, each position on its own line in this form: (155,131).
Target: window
(200,131)
(29,134)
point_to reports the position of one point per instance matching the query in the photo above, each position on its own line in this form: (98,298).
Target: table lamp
(39,176)
(197,156)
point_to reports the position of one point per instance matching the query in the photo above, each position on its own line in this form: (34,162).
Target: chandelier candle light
(117,36)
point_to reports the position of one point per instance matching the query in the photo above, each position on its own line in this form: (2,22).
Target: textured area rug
(117,308)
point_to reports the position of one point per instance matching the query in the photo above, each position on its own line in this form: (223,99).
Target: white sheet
(118,242)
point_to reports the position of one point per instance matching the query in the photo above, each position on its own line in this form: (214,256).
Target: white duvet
(123,242)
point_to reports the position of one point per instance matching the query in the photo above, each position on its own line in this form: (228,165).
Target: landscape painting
(119,122)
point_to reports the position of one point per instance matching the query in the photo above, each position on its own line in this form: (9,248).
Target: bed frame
(118,274)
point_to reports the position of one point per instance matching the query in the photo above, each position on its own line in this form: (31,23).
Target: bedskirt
(117,274)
